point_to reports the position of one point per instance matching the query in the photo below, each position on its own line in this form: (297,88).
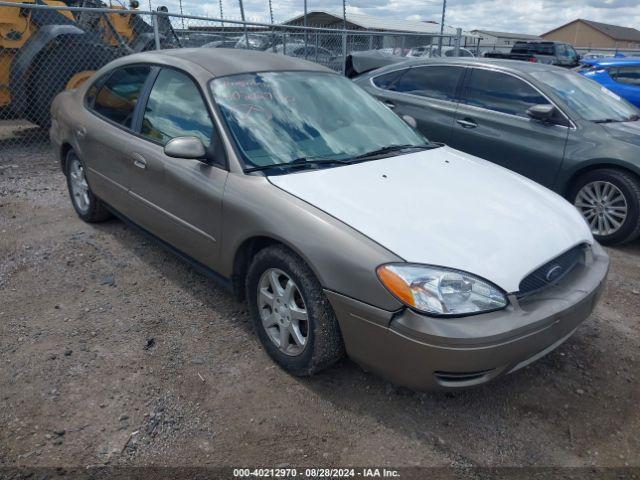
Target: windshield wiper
(608,120)
(302,162)
(630,118)
(393,148)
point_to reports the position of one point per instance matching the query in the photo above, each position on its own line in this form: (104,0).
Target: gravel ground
(103,333)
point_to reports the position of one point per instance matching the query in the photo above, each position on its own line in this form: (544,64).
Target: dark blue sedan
(620,75)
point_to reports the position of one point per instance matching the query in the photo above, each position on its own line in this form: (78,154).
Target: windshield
(589,99)
(278,117)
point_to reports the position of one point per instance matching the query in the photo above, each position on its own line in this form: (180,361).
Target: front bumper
(425,353)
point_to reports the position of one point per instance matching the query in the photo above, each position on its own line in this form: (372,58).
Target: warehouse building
(429,31)
(589,34)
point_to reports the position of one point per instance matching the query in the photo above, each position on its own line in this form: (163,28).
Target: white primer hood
(444,207)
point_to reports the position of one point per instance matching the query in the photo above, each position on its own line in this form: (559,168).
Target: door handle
(81,132)
(389,104)
(467,123)
(139,161)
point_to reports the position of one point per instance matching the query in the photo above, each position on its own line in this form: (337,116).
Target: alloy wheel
(604,207)
(79,185)
(283,312)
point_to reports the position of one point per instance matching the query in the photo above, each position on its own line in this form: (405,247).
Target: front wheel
(293,318)
(609,200)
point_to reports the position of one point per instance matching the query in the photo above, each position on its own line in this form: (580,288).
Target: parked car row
(619,75)
(547,52)
(432,51)
(343,227)
(548,124)
(293,47)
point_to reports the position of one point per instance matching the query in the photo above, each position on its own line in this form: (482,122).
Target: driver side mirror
(190,148)
(543,113)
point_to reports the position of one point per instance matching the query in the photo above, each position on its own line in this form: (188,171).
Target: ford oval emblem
(553,273)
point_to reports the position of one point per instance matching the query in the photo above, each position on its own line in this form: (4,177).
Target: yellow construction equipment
(44,51)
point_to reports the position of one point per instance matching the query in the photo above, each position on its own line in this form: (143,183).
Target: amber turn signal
(395,284)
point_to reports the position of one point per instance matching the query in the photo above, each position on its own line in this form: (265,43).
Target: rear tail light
(533,60)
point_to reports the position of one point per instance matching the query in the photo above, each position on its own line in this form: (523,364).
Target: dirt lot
(103,333)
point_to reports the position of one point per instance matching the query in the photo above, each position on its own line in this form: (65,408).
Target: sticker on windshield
(610,93)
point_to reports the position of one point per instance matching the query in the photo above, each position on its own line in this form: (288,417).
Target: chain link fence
(45,49)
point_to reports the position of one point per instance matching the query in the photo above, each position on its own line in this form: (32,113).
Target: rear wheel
(293,318)
(88,207)
(609,200)
(64,64)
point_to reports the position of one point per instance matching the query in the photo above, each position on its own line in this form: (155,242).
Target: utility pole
(246,35)
(305,13)
(344,14)
(306,35)
(273,31)
(221,13)
(182,16)
(444,10)
(344,37)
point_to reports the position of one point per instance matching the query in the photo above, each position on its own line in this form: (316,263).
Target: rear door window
(117,98)
(501,92)
(438,82)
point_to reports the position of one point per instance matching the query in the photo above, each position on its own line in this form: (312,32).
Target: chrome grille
(551,272)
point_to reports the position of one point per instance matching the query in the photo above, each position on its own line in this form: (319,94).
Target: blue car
(620,75)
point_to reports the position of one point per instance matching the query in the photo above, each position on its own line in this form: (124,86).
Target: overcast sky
(524,16)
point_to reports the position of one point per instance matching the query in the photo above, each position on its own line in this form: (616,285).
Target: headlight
(440,291)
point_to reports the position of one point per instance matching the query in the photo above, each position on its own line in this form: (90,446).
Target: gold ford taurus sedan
(343,228)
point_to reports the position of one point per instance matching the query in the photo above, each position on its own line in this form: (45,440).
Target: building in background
(588,34)
(489,38)
(429,31)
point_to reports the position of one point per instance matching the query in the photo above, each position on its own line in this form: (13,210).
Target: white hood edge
(444,207)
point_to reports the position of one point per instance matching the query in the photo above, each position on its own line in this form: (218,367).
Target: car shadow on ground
(153,253)
(579,389)
(586,389)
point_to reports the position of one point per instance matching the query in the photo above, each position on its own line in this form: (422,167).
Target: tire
(323,345)
(90,209)
(621,190)
(54,67)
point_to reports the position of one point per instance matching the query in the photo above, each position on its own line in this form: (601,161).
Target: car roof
(502,64)
(221,62)
(545,42)
(613,61)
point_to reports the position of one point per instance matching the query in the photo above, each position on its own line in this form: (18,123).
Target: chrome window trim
(509,115)
(572,126)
